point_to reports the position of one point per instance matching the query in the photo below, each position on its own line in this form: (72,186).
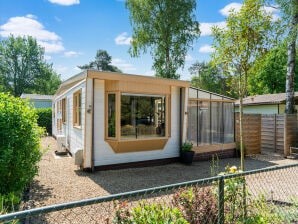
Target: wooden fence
(251,132)
(273,132)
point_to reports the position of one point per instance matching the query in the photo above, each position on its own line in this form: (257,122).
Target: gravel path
(59,180)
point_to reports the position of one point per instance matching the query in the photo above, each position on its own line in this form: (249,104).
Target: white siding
(74,136)
(103,153)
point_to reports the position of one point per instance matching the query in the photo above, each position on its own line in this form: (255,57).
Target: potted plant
(187,153)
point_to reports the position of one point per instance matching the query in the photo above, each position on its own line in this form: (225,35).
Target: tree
(268,73)
(209,77)
(22,65)
(102,62)
(47,83)
(237,46)
(289,9)
(167,27)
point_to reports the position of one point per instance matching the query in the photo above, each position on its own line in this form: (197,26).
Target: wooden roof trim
(71,82)
(135,78)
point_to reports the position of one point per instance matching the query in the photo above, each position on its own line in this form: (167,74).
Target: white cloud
(29,26)
(189,58)
(70,54)
(123,39)
(47,57)
(228,8)
(65,2)
(237,6)
(123,65)
(206,49)
(206,27)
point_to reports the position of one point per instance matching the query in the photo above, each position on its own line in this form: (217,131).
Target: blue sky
(71,31)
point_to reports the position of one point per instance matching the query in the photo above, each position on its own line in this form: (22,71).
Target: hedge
(45,119)
(19,144)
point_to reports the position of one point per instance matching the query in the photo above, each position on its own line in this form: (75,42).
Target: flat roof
(104,75)
(276,98)
(36,96)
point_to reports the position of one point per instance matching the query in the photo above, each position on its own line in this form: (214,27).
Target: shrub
(19,144)
(234,196)
(263,211)
(197,205)
(45,119)
(156,213)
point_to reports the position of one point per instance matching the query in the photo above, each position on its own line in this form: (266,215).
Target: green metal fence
(268,195)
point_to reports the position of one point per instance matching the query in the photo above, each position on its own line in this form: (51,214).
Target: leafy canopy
(209,77)
(23,68)
(268,73)
(168,28)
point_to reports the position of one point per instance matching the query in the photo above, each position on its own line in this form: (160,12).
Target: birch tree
(166,27)
(289,9)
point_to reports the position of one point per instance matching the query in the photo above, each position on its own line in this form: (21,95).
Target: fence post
(221,184)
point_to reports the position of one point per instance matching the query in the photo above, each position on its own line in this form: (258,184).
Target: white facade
(90,135)
(74,136)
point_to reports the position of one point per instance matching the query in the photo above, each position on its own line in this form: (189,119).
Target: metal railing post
(221,184)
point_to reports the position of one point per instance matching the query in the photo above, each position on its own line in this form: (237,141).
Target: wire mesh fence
(266,195)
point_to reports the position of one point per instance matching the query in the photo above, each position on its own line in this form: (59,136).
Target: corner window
(77,101)
(112,115)
(142,116)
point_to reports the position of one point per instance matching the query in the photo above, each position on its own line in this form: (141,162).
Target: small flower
(233,169)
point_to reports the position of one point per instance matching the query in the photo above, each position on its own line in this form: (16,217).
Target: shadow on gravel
(38,191)
(118,181)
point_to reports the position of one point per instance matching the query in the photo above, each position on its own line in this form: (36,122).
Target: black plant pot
(187,157)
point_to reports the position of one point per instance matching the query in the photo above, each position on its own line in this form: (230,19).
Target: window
(112,115)
(77,109)
(210,122)
(142,116)
(59,120)
(63,110)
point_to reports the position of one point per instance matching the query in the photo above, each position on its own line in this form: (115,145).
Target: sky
(71,31)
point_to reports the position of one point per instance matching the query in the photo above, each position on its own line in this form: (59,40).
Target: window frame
(118,95)
(77,109)
(63,108)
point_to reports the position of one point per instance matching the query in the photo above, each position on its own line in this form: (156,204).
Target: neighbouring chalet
(265,104)
(38,100)
(110,120)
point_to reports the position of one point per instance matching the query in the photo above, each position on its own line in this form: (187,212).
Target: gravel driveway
(59,180)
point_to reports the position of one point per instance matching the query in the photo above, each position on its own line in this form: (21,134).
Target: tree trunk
(241,124)
(290,94)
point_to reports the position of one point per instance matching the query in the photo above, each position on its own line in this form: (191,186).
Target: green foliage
(268,74)
(45,119)
(198,205)
(19,144)
(262,212)
(8,203)
(234,192)
(209,77)
(247,36)
(167,27)
(102,62)
(186,146)
(156,213)
(23,69)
